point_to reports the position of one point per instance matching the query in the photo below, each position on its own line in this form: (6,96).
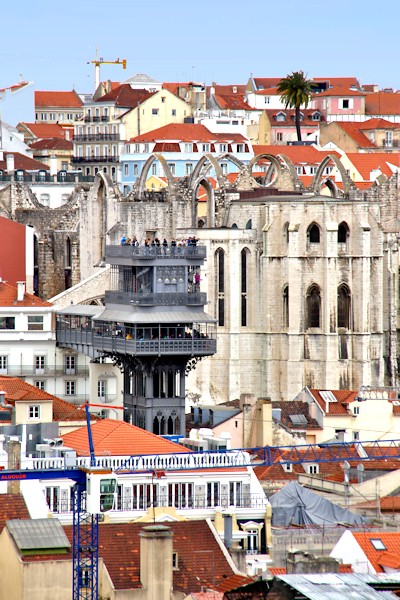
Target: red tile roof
(339,91)
(289,121)
(382,103)
(378,123)
(45,130)
(296,407)
(9,295)
(17,389)
(52,144)
(297,154)
(387,504)
(354,131)
(282,570)
(57,99)
(266,82)
(365,162)
(125,96)
(186,132)
(23,162)
(231,101)
(391,542)
(119,439)
(343,398)
(12,506)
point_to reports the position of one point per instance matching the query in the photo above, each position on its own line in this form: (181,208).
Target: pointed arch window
(343,307)
(313,302)
(244,286)
(314,234)
(286,306)
(343,236)
(286,233)
(220,264)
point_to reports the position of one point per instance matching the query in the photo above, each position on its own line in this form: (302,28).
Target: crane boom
(100,61)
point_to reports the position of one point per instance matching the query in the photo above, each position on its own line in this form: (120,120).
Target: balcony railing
(95,159)
(157,299)
(46,371)
(109,343)
(79,399)
(151,252)
(97,137)
(96,119)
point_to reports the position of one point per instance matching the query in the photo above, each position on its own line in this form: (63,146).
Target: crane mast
(100,61)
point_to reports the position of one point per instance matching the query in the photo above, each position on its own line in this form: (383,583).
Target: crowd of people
(156,242)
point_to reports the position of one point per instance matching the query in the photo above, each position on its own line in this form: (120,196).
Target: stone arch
(348,184)
(332,187)
(213,162)
(275,167)
(297,183)
(141,182)
(210,222)
(344,306)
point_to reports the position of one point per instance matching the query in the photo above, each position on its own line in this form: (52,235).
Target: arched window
(314,234)
(220,269)
(286,306)
(286,233)
(249,224)
(244,286)
(343,306)
(313,302)
(343,233)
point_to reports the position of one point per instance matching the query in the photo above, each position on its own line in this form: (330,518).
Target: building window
(70,364)
(224,168)
(172,168)
(240,148)
(286,306)
(126,169)
(40,363)
(34,412)
(356,436)
(220,260)
(205,147)
(312,469)
(343,233)
(279,136)
(7,322)
(244,286)
(356,410)
(188,168)
(70,388)
(154,169)
(154,111)
(101,389)
(266,99)
(188,147)
(40,384)
(313,302)
(3,364)
(343,306)
(313,234)
(35,323)
(175,561)
(173,112)
(222,147)
(135,170)
(345,103)
(146,148)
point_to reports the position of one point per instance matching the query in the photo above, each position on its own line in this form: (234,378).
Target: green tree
(296,91)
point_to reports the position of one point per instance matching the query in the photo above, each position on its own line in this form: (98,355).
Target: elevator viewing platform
(153,326)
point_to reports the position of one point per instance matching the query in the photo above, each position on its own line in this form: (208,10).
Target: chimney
(14,462)
(156,561)
(10,163)
(264,422)
(53,165)
(20,291)
(228,530)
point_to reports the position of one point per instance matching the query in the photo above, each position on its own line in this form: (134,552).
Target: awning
(148,317)
(81,310)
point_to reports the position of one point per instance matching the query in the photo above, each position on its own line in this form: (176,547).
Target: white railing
(157,462)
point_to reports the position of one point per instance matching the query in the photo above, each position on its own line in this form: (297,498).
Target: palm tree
(296,91)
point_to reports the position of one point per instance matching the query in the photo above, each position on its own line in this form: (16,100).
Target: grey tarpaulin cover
(297,505)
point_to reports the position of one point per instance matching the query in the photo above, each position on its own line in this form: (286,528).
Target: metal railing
(46,371)
(155,299)
(152,252)
(95,159)
(95,137)
(96,119)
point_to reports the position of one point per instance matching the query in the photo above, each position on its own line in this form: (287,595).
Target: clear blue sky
(171,40)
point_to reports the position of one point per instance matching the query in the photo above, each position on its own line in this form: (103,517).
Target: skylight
(298,419)
(378,544)
(328,396)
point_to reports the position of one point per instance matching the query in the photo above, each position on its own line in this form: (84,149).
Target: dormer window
(280,117)
(34,412)
(316,116)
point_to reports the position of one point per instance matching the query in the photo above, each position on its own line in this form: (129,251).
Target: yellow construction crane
(100,61)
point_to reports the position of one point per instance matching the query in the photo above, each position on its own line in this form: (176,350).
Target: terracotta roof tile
(382,103)
(391,542)
(12,506)
(230,101)
(52,144)
(297,154)
(45,130)
(119,439)
(186,132)
(9,295)
(23,162)
(282,570)
(296,407)
(353,130)
(307,121)
(18,390)
(340,90)
(365,162)
(378,124)
(125,96)
(343,398)
(57,99)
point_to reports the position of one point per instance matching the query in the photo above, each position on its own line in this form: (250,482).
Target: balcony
(151,253)
(157,299)
(97,119)
(46,371)
(95,159)
(97,137)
